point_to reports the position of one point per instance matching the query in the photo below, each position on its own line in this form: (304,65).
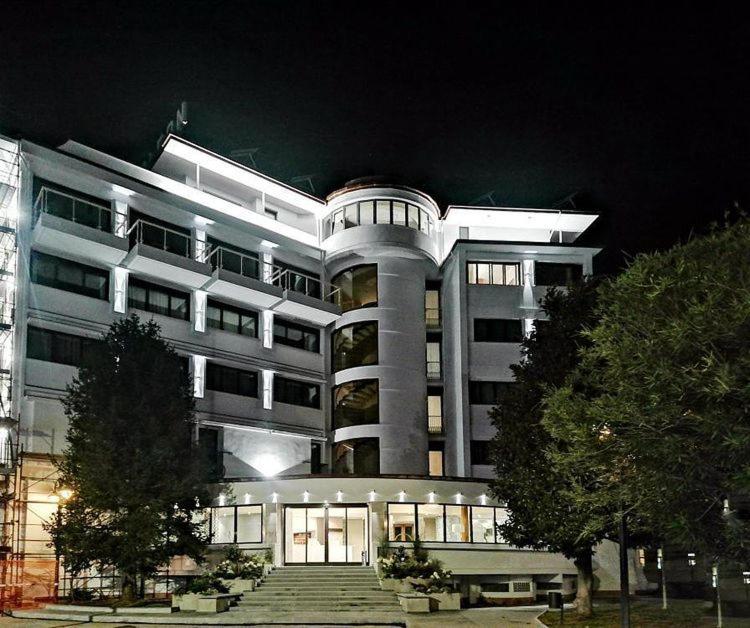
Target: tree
(134,473)
(668,428)
(526,478)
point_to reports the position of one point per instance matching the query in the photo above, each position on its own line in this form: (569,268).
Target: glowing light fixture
(306,497)
(459,498)
(372,495)
(402,496)
(483,499)
(275,498)
(431,497)
(247,498)
(339,496)
(268,464)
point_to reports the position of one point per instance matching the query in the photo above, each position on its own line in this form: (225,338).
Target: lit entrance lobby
(326,534)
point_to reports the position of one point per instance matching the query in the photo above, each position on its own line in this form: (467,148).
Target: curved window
(359,456)
(380,212)
(355,403)
(358,287)
(355,345)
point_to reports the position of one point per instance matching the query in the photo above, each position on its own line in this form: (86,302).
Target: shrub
(207,583)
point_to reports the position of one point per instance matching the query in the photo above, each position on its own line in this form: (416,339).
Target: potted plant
(238,571)
(440,588)
(206,584)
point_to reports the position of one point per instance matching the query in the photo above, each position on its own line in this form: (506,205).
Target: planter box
(396,585)
(417,603)
(447,601)
(239,585)
(185,602)
(267,568)
(214,603)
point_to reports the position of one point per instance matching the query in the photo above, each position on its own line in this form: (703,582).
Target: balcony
(305,297)
(69,225)
(237,276)
(160,252)
(435,424)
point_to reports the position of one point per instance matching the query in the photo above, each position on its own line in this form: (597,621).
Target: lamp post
(660,565)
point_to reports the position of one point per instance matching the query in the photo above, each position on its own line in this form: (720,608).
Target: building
(345,352)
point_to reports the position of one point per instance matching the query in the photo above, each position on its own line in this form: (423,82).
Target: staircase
(320,588)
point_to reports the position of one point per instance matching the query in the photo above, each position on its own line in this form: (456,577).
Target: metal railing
(433,370)
(164,238)
(432,317)
(299,282)
(233,261)
(435,424)
(78,210)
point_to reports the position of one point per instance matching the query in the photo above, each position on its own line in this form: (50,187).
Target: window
(63,274)
(236,524)
(358,287)
(401,524)
(231,380)
(55,346)
(480,452)
(432,308)
(435,460)
(430,521)
(296,335)
(355,345)
(228,318)
(486,393)
(434,413)
(157,299)
(355,403)
(296,393)
(553,274)
(498,330)
(492,273)
(433,360)
(483,524)
(382,212)
(457,524)
(359,456)
(441,523)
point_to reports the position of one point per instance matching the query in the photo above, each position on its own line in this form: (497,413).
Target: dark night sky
(645,113)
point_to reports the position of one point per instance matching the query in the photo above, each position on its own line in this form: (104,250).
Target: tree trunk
(585,594)
(129,587)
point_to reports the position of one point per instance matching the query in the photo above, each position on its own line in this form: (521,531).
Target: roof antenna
(306,179)
(487,199)
(246,156)
(569,202)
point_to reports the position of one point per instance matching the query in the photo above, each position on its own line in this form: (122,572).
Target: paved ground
(485,617)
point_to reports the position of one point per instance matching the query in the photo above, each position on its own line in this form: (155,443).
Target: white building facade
(345,352)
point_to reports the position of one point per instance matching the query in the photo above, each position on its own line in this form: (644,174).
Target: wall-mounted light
(715,576)
(274,498)
(339,496)
(402,496)
(431,497)
(372,495)
(267,389)
(459,498)
(247,498)
(659,558)
(483,499)
(222,500)
(306,497)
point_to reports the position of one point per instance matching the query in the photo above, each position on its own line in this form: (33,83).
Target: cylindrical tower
(380,246)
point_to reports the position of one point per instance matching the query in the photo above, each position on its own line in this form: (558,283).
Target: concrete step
(320,606)
(310,587)
(57,615)
(345,595)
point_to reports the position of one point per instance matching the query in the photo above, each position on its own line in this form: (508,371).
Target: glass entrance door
(317,534)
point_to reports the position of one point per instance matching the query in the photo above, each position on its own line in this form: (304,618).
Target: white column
(267,318)
(120,289)
(198,365)
(528,326)
(120,226)
(267,268)
(527,270)
(267,389)
(200,298)
(199,237)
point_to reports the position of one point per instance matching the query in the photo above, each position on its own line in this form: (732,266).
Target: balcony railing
(299,282)
(233,261)
(435,424)
(78,210)
(432,317)
(433,370)
(164,238)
